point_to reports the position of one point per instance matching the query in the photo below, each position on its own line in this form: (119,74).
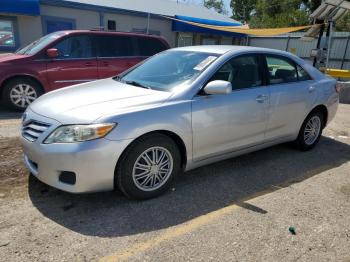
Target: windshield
(168,70)
(37,45)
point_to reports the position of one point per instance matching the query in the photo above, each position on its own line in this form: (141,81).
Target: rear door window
(75,47)
(150,46)
(281,70)
(302,74)
(115,46)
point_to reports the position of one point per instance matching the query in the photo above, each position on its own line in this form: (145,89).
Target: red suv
(65,58)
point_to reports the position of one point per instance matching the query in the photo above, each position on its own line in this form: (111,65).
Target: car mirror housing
(218,87)
(52,53)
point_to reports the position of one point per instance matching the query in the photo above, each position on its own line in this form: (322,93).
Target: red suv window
(150,46)
(78,46)
(114,46)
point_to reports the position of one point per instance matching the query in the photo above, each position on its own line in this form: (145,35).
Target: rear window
(115,46)
(150,46)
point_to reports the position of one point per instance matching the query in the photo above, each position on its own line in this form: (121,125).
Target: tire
(133,169)
(21,92)
(314,122)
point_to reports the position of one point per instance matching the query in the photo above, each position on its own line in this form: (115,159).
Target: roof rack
(97,29)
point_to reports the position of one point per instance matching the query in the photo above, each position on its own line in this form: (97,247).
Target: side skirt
(222,156)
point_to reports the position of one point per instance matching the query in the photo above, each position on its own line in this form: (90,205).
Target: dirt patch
(346,191)
(13,173)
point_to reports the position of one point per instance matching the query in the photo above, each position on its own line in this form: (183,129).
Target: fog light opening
(67,177)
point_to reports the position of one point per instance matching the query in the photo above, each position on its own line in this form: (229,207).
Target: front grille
(33,129)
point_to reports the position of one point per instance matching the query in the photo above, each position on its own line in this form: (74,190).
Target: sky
(227,4)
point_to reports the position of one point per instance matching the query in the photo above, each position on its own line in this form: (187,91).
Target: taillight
(337,87)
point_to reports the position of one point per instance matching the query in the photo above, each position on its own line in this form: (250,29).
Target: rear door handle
(105,63)
(261,98)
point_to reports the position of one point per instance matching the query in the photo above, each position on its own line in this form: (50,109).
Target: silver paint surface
(212,128)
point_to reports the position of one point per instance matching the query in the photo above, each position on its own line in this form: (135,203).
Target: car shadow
(8,114)
(195,193)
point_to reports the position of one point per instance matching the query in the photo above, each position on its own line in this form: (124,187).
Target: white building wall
(29,29)
(129,22)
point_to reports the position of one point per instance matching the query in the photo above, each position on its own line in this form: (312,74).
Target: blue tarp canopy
(22,7)
(184,27)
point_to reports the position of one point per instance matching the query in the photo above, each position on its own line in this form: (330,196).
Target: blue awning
(184,27)
(21,7)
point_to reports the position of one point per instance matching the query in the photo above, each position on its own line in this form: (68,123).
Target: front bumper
(93,162)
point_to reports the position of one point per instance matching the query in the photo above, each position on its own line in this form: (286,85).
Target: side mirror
(52,53)
(218,87)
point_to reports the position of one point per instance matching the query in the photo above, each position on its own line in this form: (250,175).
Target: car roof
(222,49)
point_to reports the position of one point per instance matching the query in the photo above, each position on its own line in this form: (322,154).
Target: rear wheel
(148,167)
(20,92)
(310,131)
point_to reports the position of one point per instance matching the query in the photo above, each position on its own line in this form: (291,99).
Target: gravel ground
(235,210)
(9,123)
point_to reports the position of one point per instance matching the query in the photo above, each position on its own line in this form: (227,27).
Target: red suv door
(119,52)
(76,63)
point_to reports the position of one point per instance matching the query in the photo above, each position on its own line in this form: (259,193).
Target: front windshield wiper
(135,83)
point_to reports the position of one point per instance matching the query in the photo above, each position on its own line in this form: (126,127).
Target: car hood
(4,58)
(84,103)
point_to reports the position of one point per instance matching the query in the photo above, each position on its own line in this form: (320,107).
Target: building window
(112,25)
(53,24)
(208,40)
(184,39)
(7,34)
(226,41)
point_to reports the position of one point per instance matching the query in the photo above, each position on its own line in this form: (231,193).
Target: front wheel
(20,92)
(148,167)
(310,131)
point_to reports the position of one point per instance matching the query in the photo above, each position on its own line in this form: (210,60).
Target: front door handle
(261,98)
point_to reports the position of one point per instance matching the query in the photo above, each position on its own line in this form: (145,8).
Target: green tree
(312,4)
(242,9)
(343,24)
(279,13)
(217,5)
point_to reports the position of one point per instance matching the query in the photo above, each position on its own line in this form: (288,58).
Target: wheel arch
(175,137)
(8,79)
(323,109)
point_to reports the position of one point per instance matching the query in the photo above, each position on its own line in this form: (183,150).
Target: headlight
(79,133)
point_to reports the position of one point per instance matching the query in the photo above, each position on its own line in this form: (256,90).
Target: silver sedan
(180,109)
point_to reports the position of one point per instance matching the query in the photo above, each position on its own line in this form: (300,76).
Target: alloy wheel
(152,168)
(312,130)
(23,95)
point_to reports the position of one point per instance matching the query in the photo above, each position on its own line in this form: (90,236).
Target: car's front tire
(310,131)
(148,167)
(20,92)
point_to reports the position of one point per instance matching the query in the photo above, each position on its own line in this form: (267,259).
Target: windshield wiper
(134,83)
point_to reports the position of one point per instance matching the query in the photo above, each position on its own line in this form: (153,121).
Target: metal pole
(319,41)
(329,42)
(148,18)
(287,45)
(346,49)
